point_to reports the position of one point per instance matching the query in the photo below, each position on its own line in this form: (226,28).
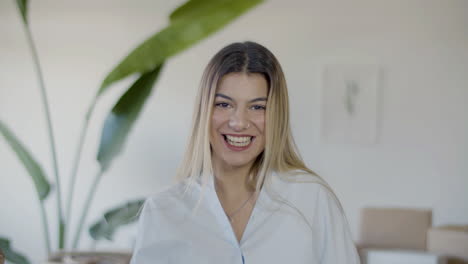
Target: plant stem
(45,226)
(50,133)
(76,162)
(84,213)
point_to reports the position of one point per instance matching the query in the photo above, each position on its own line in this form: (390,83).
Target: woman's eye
(258,107)
(222,105)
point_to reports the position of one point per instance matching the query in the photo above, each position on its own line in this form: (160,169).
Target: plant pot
(90,257)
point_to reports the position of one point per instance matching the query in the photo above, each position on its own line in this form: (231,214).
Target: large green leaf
(115,218)
(122,117)
(186,29)
(23,8)
(193,8)
(33,168)
(11,255)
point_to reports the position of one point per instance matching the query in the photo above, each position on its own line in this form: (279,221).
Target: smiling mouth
(242,141)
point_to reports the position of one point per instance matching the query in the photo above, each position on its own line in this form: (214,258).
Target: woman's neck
(231,182)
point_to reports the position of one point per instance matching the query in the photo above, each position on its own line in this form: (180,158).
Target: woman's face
(238,122)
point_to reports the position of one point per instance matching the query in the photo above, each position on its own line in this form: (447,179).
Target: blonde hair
(280,153)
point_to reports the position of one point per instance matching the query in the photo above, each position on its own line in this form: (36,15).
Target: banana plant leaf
(122,117)
(23,8)
(193,8)
(33,168)
(188,26)
(115,218)
(11,255)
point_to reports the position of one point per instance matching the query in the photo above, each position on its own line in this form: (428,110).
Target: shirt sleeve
(154,242)
(338,245)
(142,238)
(149,247)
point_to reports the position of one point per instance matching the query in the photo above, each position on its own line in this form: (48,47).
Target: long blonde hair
(280,153)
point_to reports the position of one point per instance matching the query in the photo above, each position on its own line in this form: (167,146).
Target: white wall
(419,161)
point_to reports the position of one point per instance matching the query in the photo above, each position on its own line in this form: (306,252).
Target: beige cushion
(395,228)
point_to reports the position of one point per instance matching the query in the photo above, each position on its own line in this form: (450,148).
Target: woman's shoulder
(168,196)
(306,183)
(306,189)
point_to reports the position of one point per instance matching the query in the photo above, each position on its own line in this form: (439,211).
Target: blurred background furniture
(90,258)
(395,228)
(399,256)
(450,240)
(2,257)
(396,236)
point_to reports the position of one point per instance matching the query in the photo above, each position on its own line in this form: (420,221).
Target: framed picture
(350,99)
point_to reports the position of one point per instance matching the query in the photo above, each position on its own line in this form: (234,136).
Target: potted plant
(189,23)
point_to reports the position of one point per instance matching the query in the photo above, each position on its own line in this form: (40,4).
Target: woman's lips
(238,142)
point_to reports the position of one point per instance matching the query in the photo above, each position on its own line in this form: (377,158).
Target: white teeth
(238,141)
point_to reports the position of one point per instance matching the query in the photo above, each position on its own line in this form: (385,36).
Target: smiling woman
(244,195)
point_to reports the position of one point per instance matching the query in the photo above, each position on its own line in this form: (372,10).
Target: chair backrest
(395,228)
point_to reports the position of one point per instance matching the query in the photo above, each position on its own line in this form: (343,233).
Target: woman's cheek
(217,118)
(259,122)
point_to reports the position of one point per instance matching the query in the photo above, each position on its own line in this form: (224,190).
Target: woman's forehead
(246,84)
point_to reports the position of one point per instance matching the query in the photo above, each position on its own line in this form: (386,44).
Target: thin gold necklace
(231,215)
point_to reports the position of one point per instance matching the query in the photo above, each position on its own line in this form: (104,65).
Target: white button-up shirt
(291,223)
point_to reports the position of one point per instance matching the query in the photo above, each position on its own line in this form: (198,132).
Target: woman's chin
(237,162)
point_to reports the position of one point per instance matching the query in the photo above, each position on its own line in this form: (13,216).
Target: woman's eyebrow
(258,99)
(223,96)
(251,101)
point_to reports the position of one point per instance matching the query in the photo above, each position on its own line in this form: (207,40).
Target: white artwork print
(350,104)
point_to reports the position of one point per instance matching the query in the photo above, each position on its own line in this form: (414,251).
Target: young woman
(244,195)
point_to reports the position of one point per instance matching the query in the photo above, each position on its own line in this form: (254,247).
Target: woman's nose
(238,120)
